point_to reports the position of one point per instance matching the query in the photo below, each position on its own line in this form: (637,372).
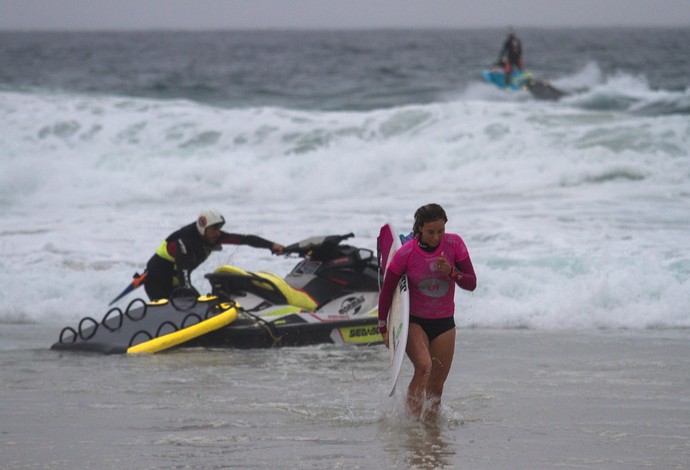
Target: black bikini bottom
(433,327)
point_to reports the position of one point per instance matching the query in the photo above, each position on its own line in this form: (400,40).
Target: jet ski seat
(266,285)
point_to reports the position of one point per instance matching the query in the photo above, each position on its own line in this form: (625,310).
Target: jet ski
(522,80)
(496,75)
(330,296)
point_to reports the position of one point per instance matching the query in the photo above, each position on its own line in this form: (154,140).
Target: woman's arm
(463,274)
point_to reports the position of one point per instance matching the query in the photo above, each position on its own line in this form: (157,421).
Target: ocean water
(576,214)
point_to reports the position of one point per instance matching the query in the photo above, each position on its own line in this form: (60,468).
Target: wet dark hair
(427,213)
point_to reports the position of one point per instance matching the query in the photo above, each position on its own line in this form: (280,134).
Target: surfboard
(399,314)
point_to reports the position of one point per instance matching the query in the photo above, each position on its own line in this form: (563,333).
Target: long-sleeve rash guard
(432,293)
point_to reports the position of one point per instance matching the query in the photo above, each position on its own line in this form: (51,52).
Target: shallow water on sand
(515,398)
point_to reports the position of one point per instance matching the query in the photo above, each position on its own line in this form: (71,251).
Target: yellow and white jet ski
(330,296)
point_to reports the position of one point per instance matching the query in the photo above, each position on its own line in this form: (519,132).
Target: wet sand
(514,399)
(573,399)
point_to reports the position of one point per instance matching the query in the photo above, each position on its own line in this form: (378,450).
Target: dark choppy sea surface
(571,352)
(332,71)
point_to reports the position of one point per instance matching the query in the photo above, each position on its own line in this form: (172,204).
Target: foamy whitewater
(576,213)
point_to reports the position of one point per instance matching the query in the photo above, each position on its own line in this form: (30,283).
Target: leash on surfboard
(138,280)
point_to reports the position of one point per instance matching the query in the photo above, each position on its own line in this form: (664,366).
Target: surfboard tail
(384,242)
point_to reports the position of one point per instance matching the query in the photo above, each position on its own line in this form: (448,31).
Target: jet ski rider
(511,55)
(185,249)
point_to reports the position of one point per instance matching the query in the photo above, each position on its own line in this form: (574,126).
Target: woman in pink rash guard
(434,261)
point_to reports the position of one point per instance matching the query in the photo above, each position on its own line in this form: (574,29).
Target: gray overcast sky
(250,14)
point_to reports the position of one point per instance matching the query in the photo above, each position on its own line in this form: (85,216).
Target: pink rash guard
(432,293)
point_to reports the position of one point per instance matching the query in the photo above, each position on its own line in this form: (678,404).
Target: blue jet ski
(522,80)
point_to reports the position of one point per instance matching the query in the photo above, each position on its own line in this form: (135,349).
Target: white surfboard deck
(399,314)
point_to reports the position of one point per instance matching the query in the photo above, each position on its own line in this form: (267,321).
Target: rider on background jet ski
(185,249)
(511,55)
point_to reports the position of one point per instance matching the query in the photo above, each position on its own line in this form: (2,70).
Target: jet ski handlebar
(318,247)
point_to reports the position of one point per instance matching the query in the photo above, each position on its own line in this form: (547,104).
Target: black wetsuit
(512,53)
(181,253)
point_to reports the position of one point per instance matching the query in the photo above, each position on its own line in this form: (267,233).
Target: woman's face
(432,232)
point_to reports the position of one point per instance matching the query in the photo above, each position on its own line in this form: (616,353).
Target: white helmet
(208,219)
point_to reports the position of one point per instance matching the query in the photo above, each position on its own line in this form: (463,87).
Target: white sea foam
(574,217)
